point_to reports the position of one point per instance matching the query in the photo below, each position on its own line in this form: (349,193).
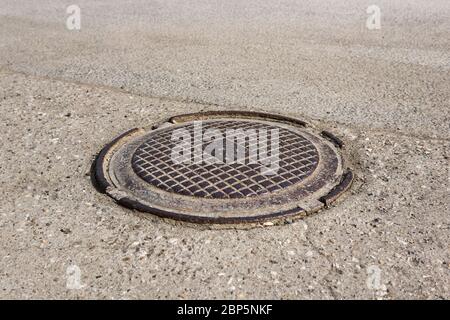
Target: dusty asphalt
(64,94)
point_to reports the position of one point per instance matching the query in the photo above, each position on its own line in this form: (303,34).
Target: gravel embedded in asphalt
(64,94)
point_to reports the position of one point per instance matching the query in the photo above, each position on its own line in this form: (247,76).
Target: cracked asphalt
(65,94)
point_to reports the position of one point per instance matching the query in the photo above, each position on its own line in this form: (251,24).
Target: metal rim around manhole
(224,167)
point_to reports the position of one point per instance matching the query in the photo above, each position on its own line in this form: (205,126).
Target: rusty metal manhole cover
(224,167)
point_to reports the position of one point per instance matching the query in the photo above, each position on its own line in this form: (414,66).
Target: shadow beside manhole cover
(224,167)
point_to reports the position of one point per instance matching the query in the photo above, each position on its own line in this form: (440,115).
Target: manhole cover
(224,167)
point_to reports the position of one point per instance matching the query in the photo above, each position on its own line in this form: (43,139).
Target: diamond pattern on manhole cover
(224,167)
(152,161)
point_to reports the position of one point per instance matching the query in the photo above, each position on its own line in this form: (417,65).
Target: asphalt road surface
(65,93)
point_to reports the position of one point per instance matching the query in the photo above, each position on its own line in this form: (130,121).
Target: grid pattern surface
(153,160)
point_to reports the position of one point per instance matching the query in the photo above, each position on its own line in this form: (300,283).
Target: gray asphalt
(64,94)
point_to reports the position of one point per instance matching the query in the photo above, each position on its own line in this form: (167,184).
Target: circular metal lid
(224,167)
